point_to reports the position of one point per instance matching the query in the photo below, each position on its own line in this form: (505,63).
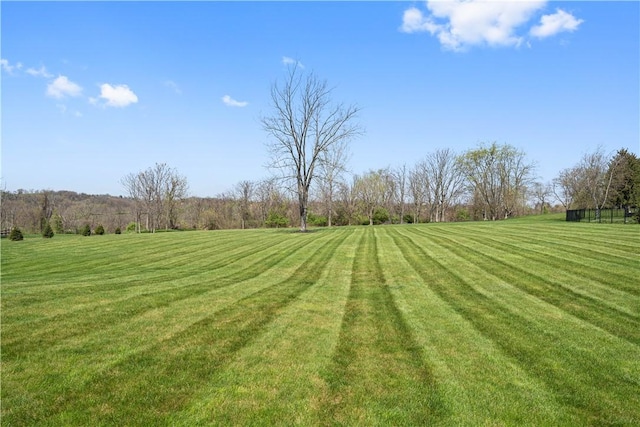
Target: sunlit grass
(525,322)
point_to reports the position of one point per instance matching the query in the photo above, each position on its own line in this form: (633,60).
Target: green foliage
(47,233)
(276,220)
(58,225)
(462,214)
(317,220)
(380,216)
(85,230)
(15,234)
(99,230)
(408,218)
(118,231)
(131,227)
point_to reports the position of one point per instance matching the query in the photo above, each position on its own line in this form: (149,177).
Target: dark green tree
(624,170)
(47,233)
(99,230)
(86,230)
(15,234)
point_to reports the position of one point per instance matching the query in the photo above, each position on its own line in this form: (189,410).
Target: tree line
(488,182)
(309,151)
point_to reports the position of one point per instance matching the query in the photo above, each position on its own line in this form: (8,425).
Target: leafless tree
(418,184)
(304,126)
(400,175)
(244,193)
(374,189)
(499,175)
(541,193)
(445,183)
(565,186)
(332,166)
(157,192)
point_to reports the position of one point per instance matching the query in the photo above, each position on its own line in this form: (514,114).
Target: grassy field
(522,322)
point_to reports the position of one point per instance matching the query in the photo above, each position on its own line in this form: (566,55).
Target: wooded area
(488,182)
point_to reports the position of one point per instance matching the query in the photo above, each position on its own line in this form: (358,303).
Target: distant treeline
(488,183)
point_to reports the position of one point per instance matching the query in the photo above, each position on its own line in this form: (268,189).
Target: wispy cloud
(290,61)
(115,96)
(173,86)
(62,86)
(7,67)
(229,101)
(551,25)
(40,72)
(462,24)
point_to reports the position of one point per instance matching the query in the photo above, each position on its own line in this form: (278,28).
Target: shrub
(462,214)
(86,230)
(118,231)
(47,233)
(15,234)
(408,218)
(99,230)
(276,220)
(380,216)
(131,227)
(317,220)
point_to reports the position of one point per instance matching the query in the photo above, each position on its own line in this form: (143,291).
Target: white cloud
(290,61)
(7,67)
(232,102)
(551,25)
(413,21)
(462,24)
(40,72)
(116,96)
(62,86)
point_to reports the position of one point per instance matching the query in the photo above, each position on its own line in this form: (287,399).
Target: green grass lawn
(523,322)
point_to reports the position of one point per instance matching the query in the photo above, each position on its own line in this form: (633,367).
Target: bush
(408,218)
(380,216)
(15,234)
(317,220)
(276,220)
(131,227)
(47,233)
(99,230)
(118,231)
(86,230)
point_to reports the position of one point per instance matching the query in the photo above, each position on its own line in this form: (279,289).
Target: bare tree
(400,175)
(244,193)
(565,186)
(373,189)
(499,175)
(332,166)
(418,184)
(445,183)
(156,191)
(541,193)
(304,126)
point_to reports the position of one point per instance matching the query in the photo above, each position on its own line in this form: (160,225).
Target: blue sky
(94,91)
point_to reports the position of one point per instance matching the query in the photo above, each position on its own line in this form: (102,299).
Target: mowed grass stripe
(96,353)
(619,259)
(378,376)
(554,286)
(105,256)
(277,378)
(597,241)
(78,316)
(578,363)
(478,383)
(166,375)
